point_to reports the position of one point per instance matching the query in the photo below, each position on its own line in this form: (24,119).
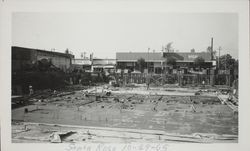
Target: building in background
(156,62)
(106,65)
(22,57)
(81,64)
(186,60)
(40,69)
(127,60)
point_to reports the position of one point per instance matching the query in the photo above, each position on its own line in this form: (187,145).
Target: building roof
(80,61)
(188,56)
(134,56)
(16,48)
(104,61)
(158,56)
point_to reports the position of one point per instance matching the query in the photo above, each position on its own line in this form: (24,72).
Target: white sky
(104,34)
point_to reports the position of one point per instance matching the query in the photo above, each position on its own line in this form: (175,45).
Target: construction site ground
(128,114)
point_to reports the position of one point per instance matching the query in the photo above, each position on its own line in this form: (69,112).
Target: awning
(104,67)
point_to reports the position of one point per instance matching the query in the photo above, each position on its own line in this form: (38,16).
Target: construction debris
(154,109)
(58,137)
(55,138)
(101,134)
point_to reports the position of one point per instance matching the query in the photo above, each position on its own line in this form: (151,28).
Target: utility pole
(219,58)
(148,60)
(212,39)
(148,79)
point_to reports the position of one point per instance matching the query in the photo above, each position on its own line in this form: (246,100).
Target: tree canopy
(141,64)
(227,62)
(121,66)
(193,50)
(209,49)
(199,61)
(67,51)
(171,61)
(169,47)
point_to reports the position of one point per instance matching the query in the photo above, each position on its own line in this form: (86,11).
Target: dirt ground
(174,111)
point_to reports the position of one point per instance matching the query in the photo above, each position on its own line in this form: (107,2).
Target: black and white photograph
(125,77)
(101,77)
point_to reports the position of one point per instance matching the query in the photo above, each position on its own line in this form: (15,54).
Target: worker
(147,83)
(203,83)
(89,83)
(31,90)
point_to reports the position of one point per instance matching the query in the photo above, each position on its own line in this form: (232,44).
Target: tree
(209,49)
(227,62)
(193,50)
(199,62)
(236,64)
(121,66)
(67,51)
(43,64)
(171,61)
(169,47)
(141,64)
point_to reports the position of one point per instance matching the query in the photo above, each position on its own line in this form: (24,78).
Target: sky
(106,33)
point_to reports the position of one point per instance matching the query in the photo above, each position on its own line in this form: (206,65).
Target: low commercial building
(27,64)
(22,57)
(106,65)
(156,62)
(81,64)
(127,60)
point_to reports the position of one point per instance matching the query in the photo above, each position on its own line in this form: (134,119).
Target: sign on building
(192,56)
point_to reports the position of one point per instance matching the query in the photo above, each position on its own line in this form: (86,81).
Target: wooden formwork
(181,79)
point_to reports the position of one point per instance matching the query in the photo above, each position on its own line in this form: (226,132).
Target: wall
(104,61)
(61,62)
(158,64)
(81,61)
(21,57)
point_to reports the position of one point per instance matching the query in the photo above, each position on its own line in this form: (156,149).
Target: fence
(181,79)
